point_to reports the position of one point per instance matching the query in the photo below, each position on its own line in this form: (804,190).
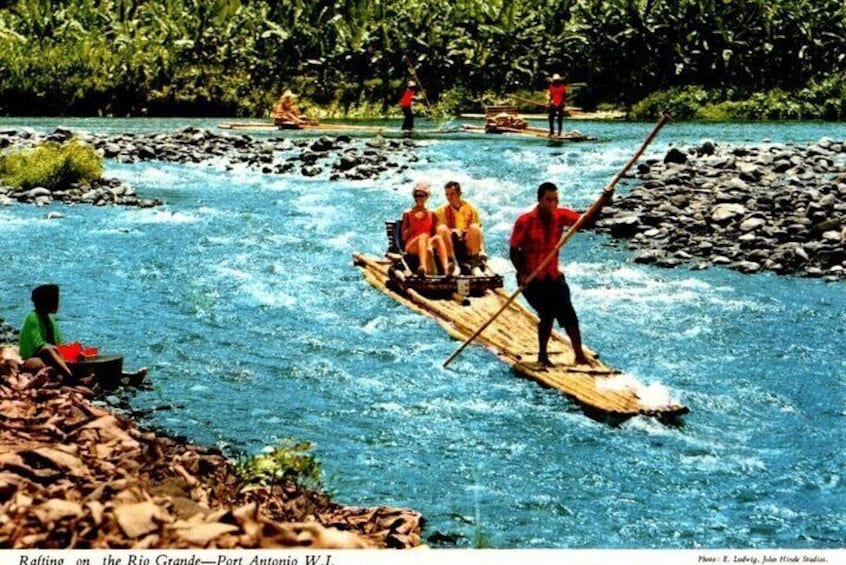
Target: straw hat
(288,94)
(556,78)
(412,84)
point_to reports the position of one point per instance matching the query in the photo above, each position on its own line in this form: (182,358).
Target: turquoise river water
(240,296)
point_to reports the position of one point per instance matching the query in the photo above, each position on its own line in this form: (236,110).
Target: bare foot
(581,360)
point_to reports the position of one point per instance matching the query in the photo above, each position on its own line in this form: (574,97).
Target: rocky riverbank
(341,157)
(774,207)
(74,474)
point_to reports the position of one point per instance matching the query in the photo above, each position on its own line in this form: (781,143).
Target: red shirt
(558,94)
(536,239)
(407,98)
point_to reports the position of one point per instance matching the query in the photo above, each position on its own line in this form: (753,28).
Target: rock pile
(779,208)
(342,156)
(73,475)
(98,193)
(8,334)
(338,158)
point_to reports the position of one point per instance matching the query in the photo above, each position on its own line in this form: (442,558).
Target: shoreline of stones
(342,157)
(774,207)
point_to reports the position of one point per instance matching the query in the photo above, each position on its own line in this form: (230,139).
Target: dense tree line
(227,57)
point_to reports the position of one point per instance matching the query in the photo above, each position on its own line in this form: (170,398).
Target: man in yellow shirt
(460,227)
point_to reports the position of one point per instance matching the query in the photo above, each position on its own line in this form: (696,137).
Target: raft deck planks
(513,338)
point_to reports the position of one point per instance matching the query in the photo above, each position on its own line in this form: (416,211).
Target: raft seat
(394,233)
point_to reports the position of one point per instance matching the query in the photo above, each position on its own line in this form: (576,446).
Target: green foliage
(455,101)
(224,57)
(823,100)
(680,103)
(51,165)
(287,462)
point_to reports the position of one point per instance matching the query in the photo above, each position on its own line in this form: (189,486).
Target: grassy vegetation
(51,165)
(287,462)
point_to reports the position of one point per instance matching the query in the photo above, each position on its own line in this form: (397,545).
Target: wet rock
(781,208)
(724,212)
(674,155)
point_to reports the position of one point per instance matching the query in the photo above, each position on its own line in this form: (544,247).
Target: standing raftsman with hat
(405,103)
(557,100)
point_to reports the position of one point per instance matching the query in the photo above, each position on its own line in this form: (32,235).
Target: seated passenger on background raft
(284,110)
(419,232)
(460,228)
(40,334)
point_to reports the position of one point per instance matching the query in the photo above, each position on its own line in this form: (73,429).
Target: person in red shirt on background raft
(536,234)
(557,101)
(405,103)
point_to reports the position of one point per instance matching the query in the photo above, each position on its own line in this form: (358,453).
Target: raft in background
(572,136)
(602,392)
(263,126)
(270,126)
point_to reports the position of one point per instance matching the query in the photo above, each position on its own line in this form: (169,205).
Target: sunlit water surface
(240,296)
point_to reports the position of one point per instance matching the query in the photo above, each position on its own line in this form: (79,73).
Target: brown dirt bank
(74,475)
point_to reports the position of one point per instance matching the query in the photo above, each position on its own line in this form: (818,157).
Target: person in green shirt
(40,333)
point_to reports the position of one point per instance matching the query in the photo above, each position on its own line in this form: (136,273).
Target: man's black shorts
(459,246)
(551,299)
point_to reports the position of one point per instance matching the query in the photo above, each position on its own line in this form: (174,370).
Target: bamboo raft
(571,113)
(270,126)
(602,392)
(572,136)
(248,126)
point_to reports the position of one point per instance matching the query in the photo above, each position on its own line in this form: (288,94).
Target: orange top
(412,226)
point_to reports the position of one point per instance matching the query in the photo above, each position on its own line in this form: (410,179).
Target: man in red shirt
(557,101)
(405,103)
(536,234)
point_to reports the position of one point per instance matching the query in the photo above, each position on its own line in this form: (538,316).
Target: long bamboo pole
(607,191)
(530,101)
(417,80)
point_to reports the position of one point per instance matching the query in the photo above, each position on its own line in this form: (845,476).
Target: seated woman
(419,226)
(285,113)
(40,334)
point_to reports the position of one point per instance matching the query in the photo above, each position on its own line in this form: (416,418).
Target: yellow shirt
(458,219)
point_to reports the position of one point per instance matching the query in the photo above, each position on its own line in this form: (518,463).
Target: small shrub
(680,103)
(287,462)
(51,165)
